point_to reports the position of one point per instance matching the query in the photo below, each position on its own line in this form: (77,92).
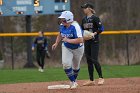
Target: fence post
(12,53)
(127,49)
(29,43)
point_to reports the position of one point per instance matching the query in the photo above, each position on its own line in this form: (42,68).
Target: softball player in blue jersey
(72,46)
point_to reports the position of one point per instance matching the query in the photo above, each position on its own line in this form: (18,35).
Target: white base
(59,87)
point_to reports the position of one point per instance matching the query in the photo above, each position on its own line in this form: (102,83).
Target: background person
(40,43)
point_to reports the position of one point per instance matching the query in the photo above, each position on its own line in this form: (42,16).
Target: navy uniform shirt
(40,43)
(92,24)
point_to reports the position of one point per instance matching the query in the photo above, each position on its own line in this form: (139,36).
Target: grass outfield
(57,74)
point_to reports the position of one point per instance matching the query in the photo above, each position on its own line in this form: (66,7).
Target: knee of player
(66,66)
(76,67)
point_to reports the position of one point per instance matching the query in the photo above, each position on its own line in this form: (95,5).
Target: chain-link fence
(118,49)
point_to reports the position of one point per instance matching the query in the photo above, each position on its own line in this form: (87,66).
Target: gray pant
(72,58)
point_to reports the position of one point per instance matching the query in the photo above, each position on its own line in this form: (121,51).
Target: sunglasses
(63,21)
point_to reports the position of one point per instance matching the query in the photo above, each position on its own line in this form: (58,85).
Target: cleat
(89,83)
(73,85)
(101,81)
(41,70)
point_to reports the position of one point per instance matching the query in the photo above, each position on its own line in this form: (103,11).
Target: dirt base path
(113,85)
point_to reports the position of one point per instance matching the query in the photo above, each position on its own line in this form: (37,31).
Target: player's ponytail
(92,10)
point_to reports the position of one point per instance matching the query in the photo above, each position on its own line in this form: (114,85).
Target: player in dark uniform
(41,47)
(93,24)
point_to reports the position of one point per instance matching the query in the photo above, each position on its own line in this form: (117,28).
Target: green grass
(57,74)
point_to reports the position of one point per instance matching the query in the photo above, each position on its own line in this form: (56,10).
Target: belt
(76,47)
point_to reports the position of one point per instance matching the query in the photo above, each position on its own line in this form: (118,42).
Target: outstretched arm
(34,44)
(58,39)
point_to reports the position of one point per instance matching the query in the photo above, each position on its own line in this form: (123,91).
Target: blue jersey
(72,32)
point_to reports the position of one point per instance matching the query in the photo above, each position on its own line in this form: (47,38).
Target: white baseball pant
(72,57)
